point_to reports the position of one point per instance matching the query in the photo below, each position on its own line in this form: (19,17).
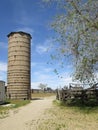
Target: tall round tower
(18,74)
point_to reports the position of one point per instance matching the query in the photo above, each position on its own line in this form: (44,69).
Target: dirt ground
(27,117)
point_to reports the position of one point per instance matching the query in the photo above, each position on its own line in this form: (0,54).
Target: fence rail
(77,92)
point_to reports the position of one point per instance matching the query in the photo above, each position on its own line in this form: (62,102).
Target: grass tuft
(4,110)
(77,105)
(63,116)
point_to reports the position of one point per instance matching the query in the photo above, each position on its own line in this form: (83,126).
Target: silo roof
(20,32)
(2,81)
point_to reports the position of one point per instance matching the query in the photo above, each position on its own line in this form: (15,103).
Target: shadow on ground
(37,98)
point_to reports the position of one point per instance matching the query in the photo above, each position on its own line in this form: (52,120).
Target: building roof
(20,32)
(2,81)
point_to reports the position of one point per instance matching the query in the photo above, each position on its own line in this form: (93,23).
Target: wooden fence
(77,92)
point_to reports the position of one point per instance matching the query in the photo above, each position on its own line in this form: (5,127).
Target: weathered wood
(78,92)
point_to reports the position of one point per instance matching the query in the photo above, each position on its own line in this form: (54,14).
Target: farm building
(2,91)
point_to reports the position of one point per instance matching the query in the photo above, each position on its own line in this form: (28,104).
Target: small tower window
(14,56)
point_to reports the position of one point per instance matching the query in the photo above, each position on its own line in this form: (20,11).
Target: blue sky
(34,18)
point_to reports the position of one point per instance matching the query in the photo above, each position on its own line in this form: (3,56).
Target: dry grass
(68,118)
(4,110)
(39,95)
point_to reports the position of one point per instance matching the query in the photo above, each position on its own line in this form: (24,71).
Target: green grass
(87,108)
(19,103)
(65,117)
(4,110)
(78,106)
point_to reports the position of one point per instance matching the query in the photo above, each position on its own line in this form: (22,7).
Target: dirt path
(22,118)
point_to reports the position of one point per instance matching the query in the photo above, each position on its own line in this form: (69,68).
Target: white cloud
(41,49)
(69,66)
(3,66)
(3,71)
(45,47)
(39,65)
(3,76)
(47,70)
(33,64)
(34,84)
(41,75)
(51,81)
(47,76)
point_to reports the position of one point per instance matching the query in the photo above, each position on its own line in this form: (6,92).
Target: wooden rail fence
(77,92)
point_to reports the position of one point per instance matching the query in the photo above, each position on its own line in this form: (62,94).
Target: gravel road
(22,118)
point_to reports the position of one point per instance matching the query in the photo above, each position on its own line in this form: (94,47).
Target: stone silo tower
(18,74)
